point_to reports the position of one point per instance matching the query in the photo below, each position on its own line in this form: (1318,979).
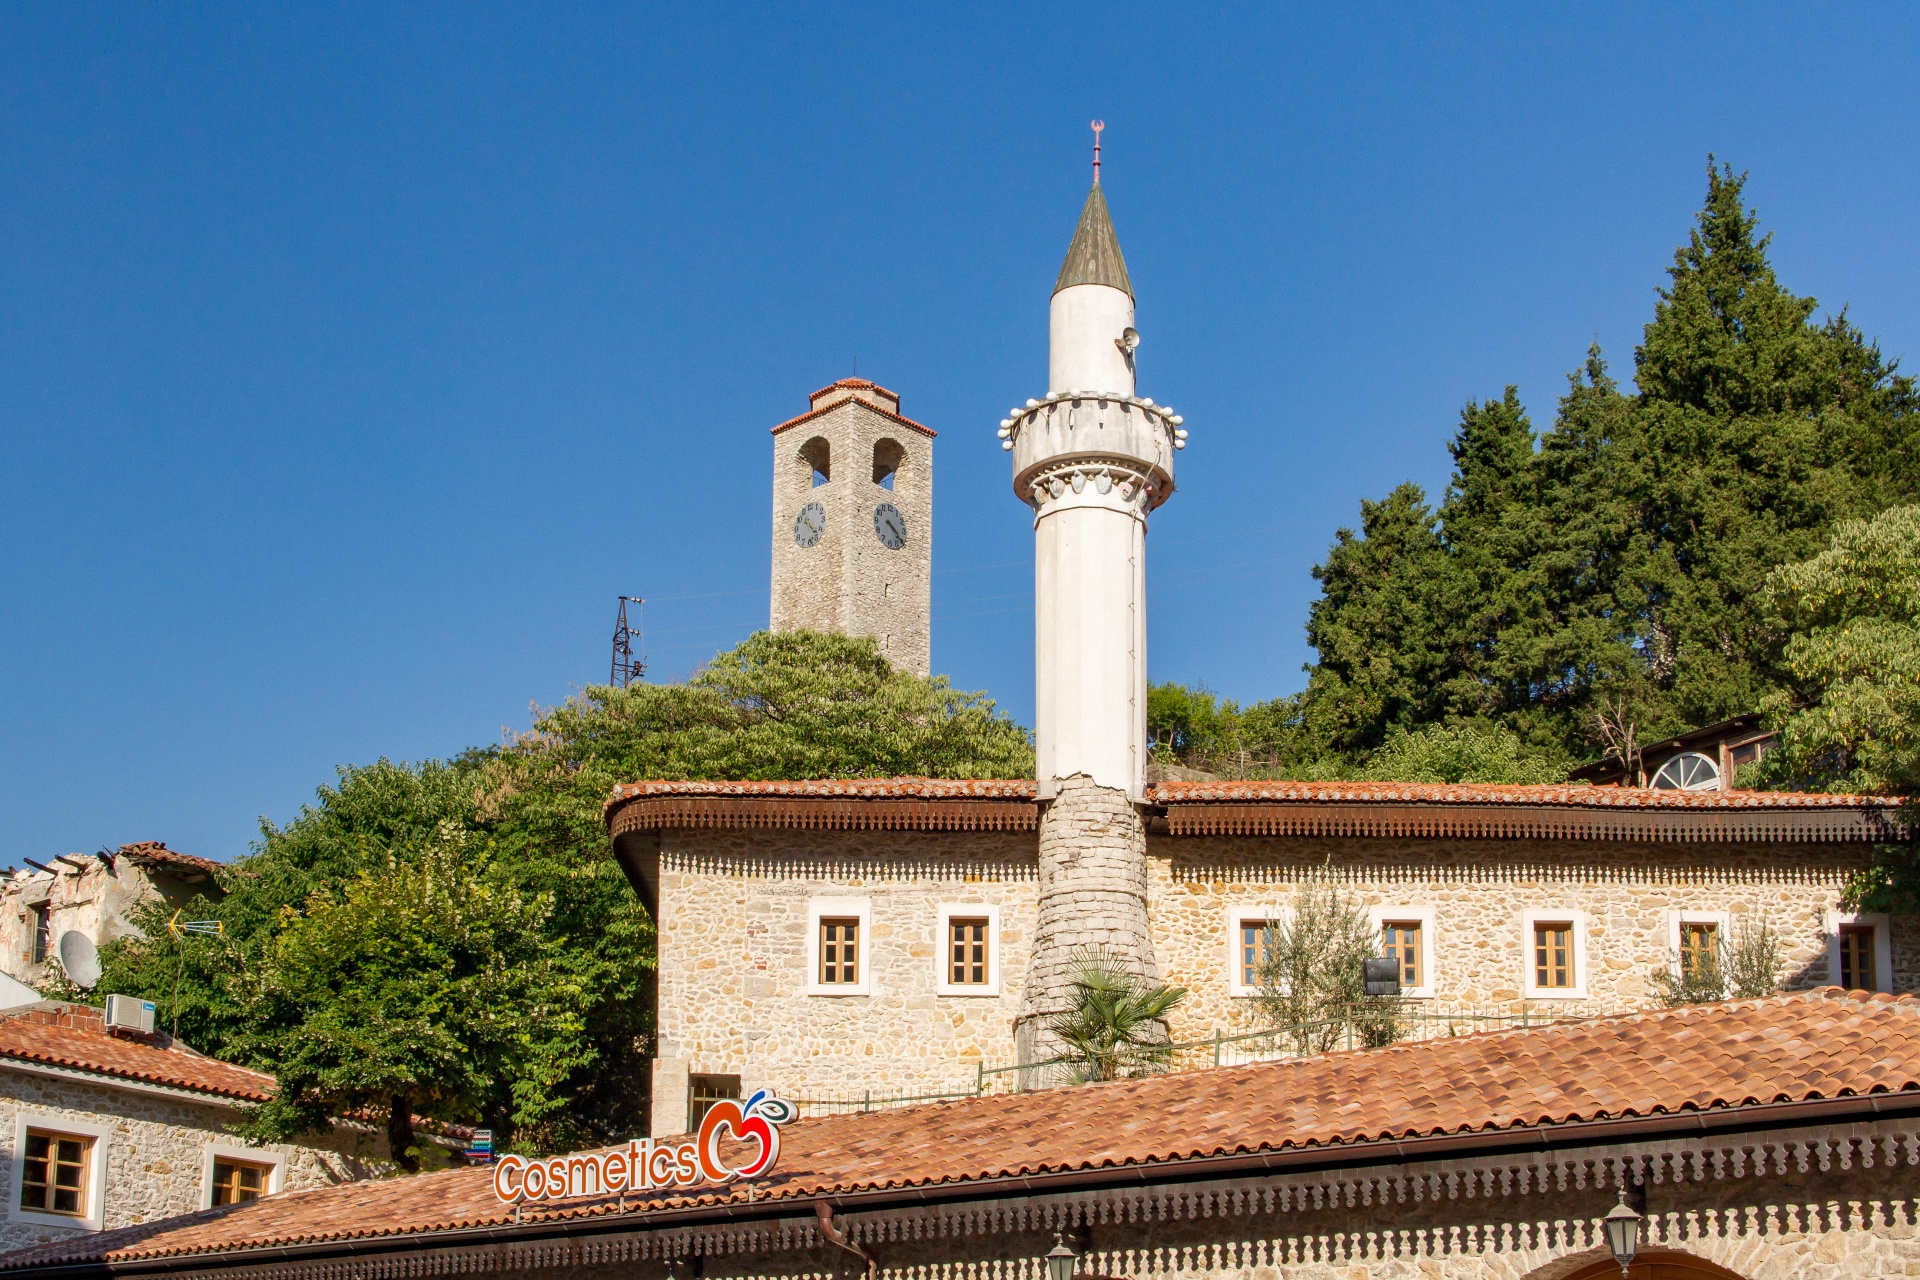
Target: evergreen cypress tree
(1619,561)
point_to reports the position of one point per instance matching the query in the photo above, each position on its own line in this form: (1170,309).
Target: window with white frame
(1406,936)
(1860,951)
(233,1174)
(1554,954)
(1247,938)
(968,952)
(1697,941)
(839,946)
(61,1171)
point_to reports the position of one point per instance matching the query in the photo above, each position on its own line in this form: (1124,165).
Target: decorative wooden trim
(652,813)
(1530,822)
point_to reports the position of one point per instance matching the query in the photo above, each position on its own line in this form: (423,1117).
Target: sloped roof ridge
(66,1036)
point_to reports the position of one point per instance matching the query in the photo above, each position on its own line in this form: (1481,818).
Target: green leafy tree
(1460,751)
(1849,716)
(1311,978)
(430,987)
(520,825)
(1744,967)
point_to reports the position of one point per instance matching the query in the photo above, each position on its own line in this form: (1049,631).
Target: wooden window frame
(51,1185)
(947,913)
(1378,918)
(859,910)
(1237,919)
(98,1138)
(218,1153)
(1677,922)
(1577,921)
(1882,928)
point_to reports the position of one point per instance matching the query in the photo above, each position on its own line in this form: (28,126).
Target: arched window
(887,457)
(1688,771)
(816,454)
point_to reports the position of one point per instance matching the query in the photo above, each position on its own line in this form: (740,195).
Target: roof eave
(1718,1120)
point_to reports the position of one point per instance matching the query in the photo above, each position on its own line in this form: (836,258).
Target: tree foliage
(452,939)
(1848,715)
(1117,1022)
(1617,559)
(1310,978)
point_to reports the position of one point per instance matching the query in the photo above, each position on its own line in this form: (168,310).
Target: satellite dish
(79,957)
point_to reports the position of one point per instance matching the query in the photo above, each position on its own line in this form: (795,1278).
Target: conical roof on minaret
(1094,256)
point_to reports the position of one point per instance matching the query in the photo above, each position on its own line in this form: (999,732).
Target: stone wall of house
(734,926)
(155,1151)
(1478,890)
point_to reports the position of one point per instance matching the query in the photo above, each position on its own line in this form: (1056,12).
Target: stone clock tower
(853,521)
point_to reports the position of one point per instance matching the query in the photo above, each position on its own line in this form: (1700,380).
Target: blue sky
(353,360)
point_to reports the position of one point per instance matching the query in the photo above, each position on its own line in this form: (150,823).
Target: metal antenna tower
(627,668)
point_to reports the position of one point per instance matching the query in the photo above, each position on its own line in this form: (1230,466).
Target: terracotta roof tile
(156,853)
(1169,793)
(1815,1045)
(840,788)
(76,1037)
(869,405)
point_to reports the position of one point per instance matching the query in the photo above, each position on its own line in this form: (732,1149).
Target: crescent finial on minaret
(1098,125)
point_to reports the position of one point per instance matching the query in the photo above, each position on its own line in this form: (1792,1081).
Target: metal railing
(1221,1050)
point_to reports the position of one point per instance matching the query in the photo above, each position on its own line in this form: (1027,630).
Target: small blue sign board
(480,1146)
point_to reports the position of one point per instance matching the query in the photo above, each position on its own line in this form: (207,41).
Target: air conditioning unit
(129,1014)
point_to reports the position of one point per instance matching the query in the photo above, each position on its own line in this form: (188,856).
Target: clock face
(809,524)
(890,526)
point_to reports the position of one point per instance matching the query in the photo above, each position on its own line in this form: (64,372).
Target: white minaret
(1092,460)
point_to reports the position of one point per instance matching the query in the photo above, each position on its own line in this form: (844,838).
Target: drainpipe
(824,1212)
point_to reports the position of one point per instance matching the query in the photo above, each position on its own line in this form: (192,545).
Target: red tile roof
(76,1037)
(844,804)
(1489,793)
(156,853)
(811,414)
(1671,1070)
(1381,809)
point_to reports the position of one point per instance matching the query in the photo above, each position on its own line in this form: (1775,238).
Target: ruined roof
(75,1037)
(1094,256)
(1803,1058)
(154,853)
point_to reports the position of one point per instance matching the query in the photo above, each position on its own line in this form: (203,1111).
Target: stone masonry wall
(1478,890)
(849,581)
(1093,896)
(734,925)
(733,936)
(155,1152)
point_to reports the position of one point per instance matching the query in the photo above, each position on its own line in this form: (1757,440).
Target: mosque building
(832,953)
(848,942)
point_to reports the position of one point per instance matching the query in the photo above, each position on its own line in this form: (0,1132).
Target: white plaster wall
(1082,323)
(1090,642)
(155,1152)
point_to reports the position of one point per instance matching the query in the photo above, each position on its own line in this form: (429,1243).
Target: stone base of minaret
(1093,896)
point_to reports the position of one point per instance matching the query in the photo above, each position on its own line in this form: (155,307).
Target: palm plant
(1117,1022)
